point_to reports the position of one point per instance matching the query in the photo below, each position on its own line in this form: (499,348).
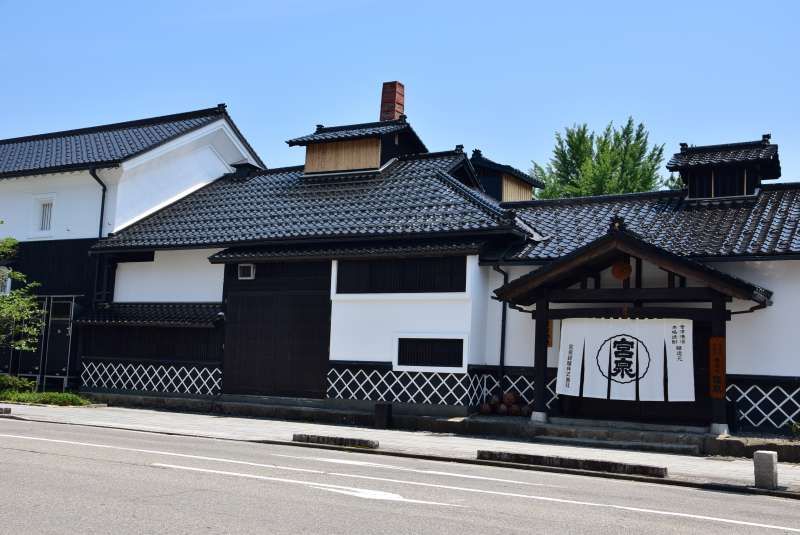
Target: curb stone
(335,441)
(573,462)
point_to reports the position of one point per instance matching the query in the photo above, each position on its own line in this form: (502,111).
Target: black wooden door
(277,330)
(696,412)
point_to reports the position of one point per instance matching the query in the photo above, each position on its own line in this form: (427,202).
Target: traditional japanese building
(382,271)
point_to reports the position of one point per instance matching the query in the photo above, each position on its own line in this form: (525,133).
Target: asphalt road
(63,478)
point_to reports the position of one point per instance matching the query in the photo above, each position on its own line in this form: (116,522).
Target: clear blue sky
(500,76)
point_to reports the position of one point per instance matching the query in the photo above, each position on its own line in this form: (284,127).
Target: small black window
(246,272)
(402,275)
(440,352)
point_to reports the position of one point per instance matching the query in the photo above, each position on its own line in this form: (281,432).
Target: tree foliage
(20,313)
(617,160)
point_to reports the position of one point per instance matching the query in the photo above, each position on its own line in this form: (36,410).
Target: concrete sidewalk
(713,470)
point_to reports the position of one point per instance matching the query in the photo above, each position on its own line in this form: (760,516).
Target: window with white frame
(43,217)
(246,272)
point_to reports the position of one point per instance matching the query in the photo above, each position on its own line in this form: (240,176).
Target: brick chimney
(392,101)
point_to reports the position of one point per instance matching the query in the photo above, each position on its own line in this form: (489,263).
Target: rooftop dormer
(364,146)
(729,170)
(503,182)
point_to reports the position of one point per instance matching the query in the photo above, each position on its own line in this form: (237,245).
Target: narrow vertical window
(45,216)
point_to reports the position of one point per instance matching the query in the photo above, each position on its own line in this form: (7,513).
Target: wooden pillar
(718,367)
(539,413)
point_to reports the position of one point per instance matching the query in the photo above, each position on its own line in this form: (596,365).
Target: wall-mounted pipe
(93,172)
(502,367)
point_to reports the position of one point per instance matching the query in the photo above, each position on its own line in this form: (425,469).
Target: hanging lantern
(621,270)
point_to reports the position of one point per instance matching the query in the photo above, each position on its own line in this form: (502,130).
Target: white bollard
(765,466)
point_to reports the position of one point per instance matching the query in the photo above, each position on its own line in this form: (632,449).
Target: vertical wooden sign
(716,361)
(549,333)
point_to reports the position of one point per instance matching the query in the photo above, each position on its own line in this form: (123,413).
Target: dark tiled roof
(100,146)
(412,197)
(765,225)
(198,315)
(749,151)
(351,131)
(479,160)
(348,250)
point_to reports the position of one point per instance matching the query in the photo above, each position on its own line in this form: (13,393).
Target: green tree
(20,314)
(617,160)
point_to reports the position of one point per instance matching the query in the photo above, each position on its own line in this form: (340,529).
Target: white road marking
(575,502)
(417,471)
(367,494)
(275,466)
(463,489)
(167,453)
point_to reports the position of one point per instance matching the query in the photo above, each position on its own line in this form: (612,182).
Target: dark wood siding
(60,266)
(277,330)
(491,181)
(404,275)
(441,352)
(153,343)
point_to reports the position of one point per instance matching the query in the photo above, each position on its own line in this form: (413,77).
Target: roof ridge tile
(218,110)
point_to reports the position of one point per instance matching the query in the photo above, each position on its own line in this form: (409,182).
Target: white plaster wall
(765,341)
(76,206)
(160,181)
(173,276)
(365,327)
(478,288)
(139,187)
(520,327)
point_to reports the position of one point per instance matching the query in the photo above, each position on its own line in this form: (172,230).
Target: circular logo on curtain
(623,358)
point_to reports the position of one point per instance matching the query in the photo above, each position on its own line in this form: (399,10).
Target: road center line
(367,494)
(575,502)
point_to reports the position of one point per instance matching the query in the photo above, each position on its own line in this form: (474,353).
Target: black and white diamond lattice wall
(147,377)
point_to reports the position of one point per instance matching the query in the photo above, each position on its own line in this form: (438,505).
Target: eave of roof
(326,251)
(350,131)
(190,315)
(326,134)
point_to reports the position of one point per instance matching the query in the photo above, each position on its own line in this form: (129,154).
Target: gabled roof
(748,151)
(415,196)
(767,225)
(603,250)
(195,315)
(355,131)
(480,161)
(102,146)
